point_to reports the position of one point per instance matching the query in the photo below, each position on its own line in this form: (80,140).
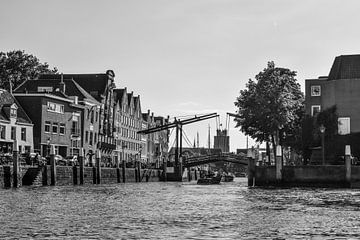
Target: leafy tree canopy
(271,108)
(17,66)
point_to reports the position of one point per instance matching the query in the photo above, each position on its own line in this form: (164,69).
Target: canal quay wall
(69,175)
(344,176)
(306,176)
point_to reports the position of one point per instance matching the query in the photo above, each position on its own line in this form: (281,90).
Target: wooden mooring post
(81,166)
(98,167)
(15,165)
(52,166)
(251,168)
(348,163)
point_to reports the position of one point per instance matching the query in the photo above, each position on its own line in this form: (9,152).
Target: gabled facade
(127,123)
(83,133)
(100,86)
(57,122)
(14,125)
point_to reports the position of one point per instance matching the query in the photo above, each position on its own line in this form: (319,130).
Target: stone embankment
(69,175)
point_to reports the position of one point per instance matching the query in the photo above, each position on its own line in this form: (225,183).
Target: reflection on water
(178,211)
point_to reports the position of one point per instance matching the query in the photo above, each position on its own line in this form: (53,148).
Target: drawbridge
(193,161)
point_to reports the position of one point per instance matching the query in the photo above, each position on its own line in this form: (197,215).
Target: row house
(127,124)
(98,131)
(15,125)
(64,114)
(108,118)
(157,142)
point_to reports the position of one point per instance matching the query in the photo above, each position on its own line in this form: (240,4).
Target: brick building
(341,89)
(14,125)
(84,131)
(100,86)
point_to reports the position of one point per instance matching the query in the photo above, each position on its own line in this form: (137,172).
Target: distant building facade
(221,140)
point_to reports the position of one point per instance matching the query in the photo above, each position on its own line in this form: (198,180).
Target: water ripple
(178,211)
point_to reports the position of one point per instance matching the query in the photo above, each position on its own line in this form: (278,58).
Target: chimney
(62,84)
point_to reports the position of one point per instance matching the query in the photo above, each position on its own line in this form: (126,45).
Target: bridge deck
(204,159)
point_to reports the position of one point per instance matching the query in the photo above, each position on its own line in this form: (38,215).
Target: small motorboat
(227,178)
(209,180)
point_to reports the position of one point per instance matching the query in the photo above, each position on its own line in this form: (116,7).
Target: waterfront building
(128,122)
(82,129)
(15,124)
(341,89)
(100,86)
(56,120)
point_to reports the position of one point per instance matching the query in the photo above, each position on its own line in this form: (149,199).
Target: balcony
(106,142)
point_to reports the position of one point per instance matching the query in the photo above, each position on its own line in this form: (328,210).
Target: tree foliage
(271,108)
(17,66)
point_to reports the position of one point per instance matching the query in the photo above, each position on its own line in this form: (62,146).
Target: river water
(160,210)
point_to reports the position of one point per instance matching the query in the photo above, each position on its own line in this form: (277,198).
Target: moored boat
(227,178)
(209,180)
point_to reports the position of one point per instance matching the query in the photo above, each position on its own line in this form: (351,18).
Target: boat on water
(227,178)
(209,180)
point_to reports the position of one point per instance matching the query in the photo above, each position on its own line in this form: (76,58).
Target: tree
(271,108)
(17,66)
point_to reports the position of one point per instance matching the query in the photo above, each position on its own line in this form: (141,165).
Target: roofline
(42,95)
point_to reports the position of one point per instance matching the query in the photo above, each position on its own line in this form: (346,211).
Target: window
(47,126)
(13,133)
(23,134)
(343,125)
(55,127)
(92,116)
(315,109)
(95,139)
(13,112)
(86,136)
(91,138)
(44,89)
(315,91)
(2,131)
(62,128)
(54,107)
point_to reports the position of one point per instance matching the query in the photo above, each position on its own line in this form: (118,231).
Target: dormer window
(13,111)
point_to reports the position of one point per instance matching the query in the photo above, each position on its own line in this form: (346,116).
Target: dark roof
(71,88)
(92,83)
(129,95)
(145,116)
(345,67)
(119,94)
(136,101)
(6,100)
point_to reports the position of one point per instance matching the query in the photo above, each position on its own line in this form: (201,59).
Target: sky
(184,57)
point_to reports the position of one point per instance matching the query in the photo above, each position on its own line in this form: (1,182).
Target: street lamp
(322,131)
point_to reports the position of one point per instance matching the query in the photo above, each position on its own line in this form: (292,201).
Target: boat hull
(208,181)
